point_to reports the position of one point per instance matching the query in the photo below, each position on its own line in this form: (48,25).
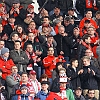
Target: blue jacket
(41,95)
(22,97)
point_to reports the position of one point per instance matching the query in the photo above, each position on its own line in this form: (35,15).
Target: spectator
(18,12)
(5,63)
(24,80)
(66,93)
(27,21)
(30,10)
(19,57)
(63,43)
(46,30)
(73,73)
(84,44)
(49,63)
(36,85)
(83,31)
(78,94)
(57,23)
(46,20)
(12,79)
(71,13)
(75,39)
(89,77)
(97,17)
(24,94)
(90,95)
(56,14)
(94,39)
(10,27)
(55,72)
(68,26)
(31,56)
(3,14)
(88,16)
(43,77)
(22,35)
(31,28)
(43,94)
(10,43)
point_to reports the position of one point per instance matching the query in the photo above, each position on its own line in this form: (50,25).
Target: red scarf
(92,49)
(86,45)
(63,93)
(16,76)
(15,14)
(29,97)
(31,56)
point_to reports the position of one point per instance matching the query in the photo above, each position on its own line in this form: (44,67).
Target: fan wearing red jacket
(88,16)
(94,39)
(49,62)
(5,63)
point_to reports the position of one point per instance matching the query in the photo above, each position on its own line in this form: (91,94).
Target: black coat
(69,30)
(74,46)
(75,80)
(63,44)
(79,98)
(21,16)
(9,44)
(87,98)
(8,29)
(88,80)
(81,51)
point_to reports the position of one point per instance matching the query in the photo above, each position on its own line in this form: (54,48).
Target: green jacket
(70,95)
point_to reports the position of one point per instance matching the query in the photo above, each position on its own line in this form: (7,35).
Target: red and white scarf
(31,56)
(37,83)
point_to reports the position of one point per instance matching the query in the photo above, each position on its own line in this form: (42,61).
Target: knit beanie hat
(23,86)
(4,50)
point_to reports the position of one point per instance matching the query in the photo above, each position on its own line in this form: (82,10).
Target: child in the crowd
(42,95)
(23,95)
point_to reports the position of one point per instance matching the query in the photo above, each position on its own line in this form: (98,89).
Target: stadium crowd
(50,55)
